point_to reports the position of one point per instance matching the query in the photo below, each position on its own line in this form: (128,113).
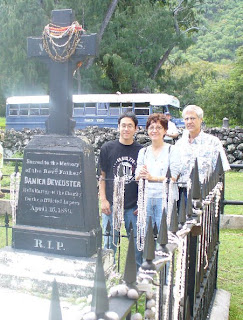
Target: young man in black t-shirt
(113,155)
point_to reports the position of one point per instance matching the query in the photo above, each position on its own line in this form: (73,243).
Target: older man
(196,144)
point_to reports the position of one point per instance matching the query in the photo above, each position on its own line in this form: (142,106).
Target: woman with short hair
(153,163)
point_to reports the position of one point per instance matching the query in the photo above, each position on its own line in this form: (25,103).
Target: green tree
(138,41)
(184,80)
(19,75)
(221,34)
(224,97)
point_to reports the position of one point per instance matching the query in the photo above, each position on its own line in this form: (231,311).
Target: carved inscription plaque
(57,210)
(51,191)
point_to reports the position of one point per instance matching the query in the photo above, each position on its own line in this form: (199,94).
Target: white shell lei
(179,291)
(14,193)
(118,204)
(165,191)
(142,213)
(170,201)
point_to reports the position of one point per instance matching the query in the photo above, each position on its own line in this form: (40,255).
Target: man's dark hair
(130,115)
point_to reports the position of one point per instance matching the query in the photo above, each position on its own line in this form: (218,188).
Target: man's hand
(105,207)
(135,212)
(104,203)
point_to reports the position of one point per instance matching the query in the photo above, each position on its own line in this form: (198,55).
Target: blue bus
(100,110)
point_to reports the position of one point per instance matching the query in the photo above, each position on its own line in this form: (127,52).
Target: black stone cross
(61,73)
(57,211)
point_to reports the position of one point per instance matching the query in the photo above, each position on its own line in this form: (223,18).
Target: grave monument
(57,231)
(57,211)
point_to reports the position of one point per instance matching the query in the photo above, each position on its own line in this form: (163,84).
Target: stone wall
(232,140)
(15,141)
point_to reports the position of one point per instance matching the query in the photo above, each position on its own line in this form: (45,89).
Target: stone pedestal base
(63,242)
(33,272)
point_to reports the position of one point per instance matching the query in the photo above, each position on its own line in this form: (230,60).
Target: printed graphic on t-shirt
(126,166)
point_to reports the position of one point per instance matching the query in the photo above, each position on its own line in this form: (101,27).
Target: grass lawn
(2,122)
(8,169)
(4,233)
(230,273)
(233,191)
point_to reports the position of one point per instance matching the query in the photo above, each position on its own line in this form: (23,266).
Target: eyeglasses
(157,128)
(128,126)
(190,119)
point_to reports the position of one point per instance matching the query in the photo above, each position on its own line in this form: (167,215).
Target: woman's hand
(144,174)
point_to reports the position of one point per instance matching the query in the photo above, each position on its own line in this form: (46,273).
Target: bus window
(24,112)
(44,111)
(79,105)
(159,109)
(115,105)
(90,108)
(102,108)
(103,105)
(78,111)
(35,109)
(34,112)
(114,111)
(175,113)
(102,112)
(126,109)
(141,111)
(13,110)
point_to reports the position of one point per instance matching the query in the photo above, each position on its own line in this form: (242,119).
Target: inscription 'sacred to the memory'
(52,193)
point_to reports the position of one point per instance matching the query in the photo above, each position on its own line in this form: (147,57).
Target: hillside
(221,32)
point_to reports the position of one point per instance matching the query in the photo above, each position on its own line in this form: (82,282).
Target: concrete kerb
(39,307)
(220,305)
(5,207)
(30,307)
(231,221)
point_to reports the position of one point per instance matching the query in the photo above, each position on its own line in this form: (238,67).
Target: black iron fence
(178,281)
(191,256)
(230,202)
